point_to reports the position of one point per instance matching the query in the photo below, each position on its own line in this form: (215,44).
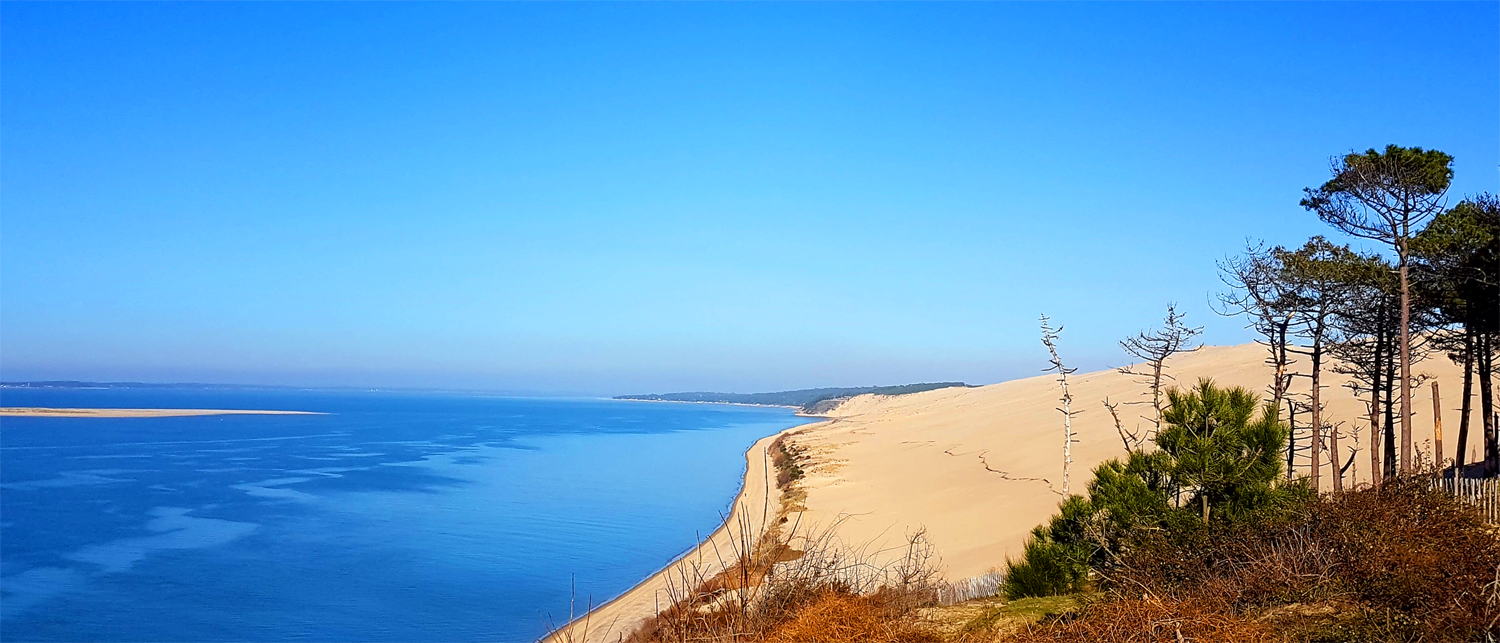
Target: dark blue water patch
(394,517)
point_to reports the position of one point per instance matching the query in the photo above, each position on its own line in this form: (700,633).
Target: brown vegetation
(1165,620)
(788,459)
(1402,563)
(789,584)
(796,583)
(843,617)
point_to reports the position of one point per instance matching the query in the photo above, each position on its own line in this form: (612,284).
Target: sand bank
(13,411)
(980,467)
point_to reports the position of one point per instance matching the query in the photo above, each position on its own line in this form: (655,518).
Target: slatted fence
(1483,493)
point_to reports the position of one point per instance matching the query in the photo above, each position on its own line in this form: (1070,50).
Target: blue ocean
(394,517)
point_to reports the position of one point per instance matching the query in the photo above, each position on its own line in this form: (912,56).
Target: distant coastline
(41,412)
(800,412)
(812,401)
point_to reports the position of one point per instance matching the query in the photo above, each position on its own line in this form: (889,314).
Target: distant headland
(812,401)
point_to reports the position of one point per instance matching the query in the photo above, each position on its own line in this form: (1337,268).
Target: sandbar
(38,412)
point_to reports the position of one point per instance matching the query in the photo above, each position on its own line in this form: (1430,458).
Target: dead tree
(1256,291)
(1153,347)
(1294,448)
(1049,339)
(1132,437)
(1333,457)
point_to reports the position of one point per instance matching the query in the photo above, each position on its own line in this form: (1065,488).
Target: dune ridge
(980,467)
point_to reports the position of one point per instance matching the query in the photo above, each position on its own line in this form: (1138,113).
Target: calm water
(398,517)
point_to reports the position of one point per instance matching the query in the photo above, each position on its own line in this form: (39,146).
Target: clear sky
(613,198)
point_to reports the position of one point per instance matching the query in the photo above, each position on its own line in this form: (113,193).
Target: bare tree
(1387,197)
(1256,291)
(1354,450)
(1049,339)
(1154,347)
(1132,437)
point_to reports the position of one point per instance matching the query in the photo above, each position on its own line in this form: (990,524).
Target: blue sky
(610,198)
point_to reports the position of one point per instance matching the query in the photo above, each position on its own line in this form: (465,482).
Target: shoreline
(618,617)
(43,412)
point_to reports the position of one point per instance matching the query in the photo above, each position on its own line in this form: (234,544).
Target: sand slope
(980,467)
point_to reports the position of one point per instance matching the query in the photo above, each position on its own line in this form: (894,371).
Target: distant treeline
(812,400)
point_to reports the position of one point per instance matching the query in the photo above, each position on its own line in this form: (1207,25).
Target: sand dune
(980,467)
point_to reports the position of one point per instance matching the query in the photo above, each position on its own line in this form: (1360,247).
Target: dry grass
(791,580)
(1416,562)
(1400,563)
(783,586)
(787,582)
(841,617)
(1007,617)
(1149,620)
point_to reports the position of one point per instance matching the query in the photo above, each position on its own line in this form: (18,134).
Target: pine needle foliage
(1216,459)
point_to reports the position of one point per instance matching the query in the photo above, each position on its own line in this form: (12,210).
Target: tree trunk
(1390,410)
(1466,405)
(1156,391)
(1377,368)
(1487,404)
(1405,369)
(1317,418)
(1375,477)
(1291,439)
(1437,430)
(1280,385)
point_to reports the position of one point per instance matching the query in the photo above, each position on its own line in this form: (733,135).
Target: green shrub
(1048,568)
(1215,457)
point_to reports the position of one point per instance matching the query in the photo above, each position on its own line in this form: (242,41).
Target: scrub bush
(1216,458)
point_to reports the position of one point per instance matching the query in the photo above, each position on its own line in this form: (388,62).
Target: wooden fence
(1483,493)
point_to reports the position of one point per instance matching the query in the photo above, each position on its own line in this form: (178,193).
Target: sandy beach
(36,412)
(980,467)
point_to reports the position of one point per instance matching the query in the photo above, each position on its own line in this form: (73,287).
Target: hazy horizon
(60,384)
(605,199)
